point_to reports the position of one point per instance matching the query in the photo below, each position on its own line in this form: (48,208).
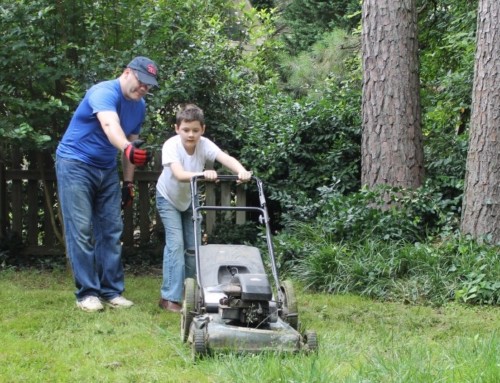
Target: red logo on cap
(151,69)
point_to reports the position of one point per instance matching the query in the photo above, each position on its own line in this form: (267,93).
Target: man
(107,120)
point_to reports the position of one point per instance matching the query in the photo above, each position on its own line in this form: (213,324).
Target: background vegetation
(281,87)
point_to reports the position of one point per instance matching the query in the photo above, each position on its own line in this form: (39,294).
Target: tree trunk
(481,206)
(391,149)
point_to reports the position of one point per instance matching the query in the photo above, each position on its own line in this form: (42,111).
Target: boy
(184,156)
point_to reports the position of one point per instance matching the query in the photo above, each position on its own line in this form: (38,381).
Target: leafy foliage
(229,233)
(262,4)
(29,107)
(201,73)
(332,58)
(306,21)
(301,145)
(423,273)
(447,39)
(413,215)
(46,70)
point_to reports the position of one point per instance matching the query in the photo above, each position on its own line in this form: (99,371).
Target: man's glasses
(147,86)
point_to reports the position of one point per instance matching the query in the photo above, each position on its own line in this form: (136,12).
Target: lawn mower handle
(229,177)
(262,209)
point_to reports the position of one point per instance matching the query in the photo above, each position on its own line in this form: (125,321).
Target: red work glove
(135,155)
(128,194)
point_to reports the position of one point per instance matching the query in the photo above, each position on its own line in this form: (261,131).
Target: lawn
(45,338)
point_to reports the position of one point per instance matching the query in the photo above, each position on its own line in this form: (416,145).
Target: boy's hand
(244,176)
(210,175)
(135,155)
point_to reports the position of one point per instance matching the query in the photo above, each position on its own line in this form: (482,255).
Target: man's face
(190,133)
(134,89)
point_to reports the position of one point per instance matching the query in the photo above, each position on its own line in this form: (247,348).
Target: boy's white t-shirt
(179,193)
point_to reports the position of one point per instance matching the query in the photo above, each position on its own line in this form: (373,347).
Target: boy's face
(190,133)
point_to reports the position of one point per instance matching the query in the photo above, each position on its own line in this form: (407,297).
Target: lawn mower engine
(248,301)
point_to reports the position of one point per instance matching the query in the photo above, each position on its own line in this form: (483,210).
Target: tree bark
(481,203)
(391,149)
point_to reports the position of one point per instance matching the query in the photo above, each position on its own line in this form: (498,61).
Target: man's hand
(136,156)
(128,194)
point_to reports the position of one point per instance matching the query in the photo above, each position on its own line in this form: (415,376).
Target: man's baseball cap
(146,70)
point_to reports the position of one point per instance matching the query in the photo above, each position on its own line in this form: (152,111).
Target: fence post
(3,201)
(32,201)
(241,200)
(17,194)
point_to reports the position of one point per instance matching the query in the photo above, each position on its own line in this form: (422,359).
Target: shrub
(413,215)
(299,146)
(457,268)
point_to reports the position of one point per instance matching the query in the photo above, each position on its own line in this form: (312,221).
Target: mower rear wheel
(290,312)
(199,346)
(311,341)
(188,307)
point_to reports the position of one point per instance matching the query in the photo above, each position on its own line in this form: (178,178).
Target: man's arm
(127,167)
(110,123)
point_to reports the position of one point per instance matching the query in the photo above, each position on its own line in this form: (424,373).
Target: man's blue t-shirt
(85,139)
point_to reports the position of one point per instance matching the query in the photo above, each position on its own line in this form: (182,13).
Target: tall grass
(457,268)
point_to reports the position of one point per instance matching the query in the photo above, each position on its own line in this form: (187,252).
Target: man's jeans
(178,254)
(90,203)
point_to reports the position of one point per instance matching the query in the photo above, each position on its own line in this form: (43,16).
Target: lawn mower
(230,306)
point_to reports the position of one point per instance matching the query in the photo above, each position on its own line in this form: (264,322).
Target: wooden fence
(29,209)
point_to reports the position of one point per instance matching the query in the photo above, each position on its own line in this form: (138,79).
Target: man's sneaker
(118,302)
(90,304)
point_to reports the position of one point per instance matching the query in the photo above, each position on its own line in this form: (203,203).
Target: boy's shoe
(90,304)
(118,302)
(170,306)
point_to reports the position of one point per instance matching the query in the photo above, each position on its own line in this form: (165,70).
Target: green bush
(457,268)
(308,20)
(229,233)
(298,146)
(412,215)
(447,46)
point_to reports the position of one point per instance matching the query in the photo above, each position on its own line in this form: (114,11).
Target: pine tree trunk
(392,151)
(481,204)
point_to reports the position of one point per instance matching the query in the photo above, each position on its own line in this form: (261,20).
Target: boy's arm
(185,176)
(226,160)
(234,165)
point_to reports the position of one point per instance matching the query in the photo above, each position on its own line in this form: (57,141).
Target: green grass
(45,338)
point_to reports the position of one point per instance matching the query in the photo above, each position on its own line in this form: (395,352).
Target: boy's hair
(189,113)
